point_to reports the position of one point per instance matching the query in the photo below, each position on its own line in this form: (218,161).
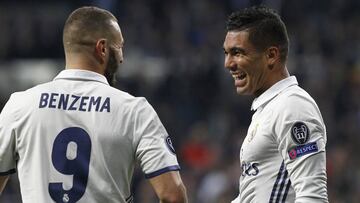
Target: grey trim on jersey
(283,176)
(163,170)
(130,199)
(9,172)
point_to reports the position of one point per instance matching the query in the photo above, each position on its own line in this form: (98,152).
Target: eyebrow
(233,50)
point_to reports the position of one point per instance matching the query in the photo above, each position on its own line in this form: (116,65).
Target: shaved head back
(85,26)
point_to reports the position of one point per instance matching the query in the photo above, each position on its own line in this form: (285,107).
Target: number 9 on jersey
(78,166)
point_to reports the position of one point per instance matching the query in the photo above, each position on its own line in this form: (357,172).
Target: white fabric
(122,129)
(268,172)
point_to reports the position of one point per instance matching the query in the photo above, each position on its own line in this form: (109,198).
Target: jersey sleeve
(8,155)
(301,135)
(154,148)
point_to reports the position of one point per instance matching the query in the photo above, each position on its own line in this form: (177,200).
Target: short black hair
(85,25)
(265,28)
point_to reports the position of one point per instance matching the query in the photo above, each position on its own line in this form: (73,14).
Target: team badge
(169,144)
(252,135)
(300,133)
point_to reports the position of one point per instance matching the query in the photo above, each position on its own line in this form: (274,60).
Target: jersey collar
(273,91)
(76,74)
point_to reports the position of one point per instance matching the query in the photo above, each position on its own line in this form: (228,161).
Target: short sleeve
(301,135)
(154,149)
(7,139)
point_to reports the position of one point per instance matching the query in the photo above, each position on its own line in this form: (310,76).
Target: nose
(229,62)
(121,56)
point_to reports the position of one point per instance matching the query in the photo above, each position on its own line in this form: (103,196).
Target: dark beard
(111,68)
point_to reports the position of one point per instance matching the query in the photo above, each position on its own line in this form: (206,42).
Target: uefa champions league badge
(292,154)
(300,133)
(169,144)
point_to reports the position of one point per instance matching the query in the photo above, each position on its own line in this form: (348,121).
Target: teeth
(239,76)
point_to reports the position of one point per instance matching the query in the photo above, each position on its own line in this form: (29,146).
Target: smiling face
(247,65)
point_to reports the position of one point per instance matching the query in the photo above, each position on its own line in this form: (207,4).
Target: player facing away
(283,154)
(76,138)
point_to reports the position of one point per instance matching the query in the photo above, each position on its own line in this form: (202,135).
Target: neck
(280,74)
(82,62)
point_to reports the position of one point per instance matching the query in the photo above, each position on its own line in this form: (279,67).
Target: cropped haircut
(85,26)
(265,28)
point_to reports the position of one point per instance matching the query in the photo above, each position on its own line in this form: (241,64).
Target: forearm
(169,187)
(3,181)
(178,197)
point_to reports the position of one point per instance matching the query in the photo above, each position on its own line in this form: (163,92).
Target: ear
(272,56)
(101,50)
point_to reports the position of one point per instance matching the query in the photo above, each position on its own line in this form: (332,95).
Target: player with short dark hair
(283,155)
(76,138)
(265,29)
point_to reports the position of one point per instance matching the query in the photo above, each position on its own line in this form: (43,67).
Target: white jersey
(283,155)
(76,139)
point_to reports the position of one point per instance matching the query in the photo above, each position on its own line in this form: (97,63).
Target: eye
(237,52)
(225,52)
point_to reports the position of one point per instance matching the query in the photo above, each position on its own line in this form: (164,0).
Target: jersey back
(76,139)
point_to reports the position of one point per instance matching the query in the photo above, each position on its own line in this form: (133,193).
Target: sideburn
(111,69)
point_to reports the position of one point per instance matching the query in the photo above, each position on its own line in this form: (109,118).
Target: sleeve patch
(302,150)
(300,133)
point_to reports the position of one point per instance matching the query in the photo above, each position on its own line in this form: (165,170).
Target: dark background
(174,58)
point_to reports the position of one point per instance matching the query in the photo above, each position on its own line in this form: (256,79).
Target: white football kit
(76,139)
(283,155)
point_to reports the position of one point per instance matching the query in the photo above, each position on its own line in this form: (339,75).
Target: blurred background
(173,57)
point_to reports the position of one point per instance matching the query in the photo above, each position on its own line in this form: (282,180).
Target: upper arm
(169,187)
(154,149)
(3,181)
(301,136)
(156,155)
(7,139)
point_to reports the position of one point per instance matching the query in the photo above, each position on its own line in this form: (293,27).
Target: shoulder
(27,96)
(19,102)
(295,102)
(295,94)
(294,111)
(295,105)
(124,98)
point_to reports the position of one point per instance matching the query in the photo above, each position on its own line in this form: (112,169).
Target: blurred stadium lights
(20,74)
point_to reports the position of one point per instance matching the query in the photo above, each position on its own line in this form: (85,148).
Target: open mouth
(239,76)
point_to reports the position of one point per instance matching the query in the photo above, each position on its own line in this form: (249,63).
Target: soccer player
(77,139)
(283,154)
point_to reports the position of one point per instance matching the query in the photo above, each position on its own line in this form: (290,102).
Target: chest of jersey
(260,159)
(259,147)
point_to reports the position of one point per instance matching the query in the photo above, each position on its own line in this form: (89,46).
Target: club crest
(300,133)
(253,133)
